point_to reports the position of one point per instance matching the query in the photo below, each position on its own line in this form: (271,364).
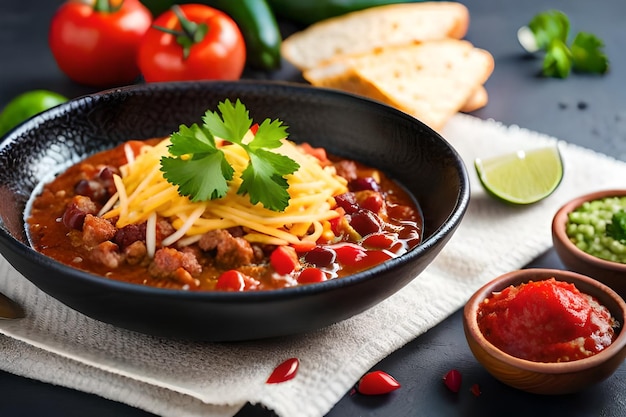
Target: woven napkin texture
(174,378)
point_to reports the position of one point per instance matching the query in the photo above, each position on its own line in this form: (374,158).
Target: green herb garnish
(200,169)
(617,228)
(549,32)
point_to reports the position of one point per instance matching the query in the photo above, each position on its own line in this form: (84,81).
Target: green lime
(522,177)
(27,105)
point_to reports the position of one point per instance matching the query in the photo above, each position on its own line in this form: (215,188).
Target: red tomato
(220,54)
(97,47)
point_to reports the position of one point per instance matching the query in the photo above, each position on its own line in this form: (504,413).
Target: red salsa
(546,321)
(378,221)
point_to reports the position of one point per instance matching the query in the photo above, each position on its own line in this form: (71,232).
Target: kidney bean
(364,183)
(347,201)
(76,210)
(130,234)
(320,256)
(365,222)
(92,189)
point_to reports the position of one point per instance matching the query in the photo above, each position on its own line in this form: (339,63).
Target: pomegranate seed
(452,379)
(475,390)
(284,372)
(377,383)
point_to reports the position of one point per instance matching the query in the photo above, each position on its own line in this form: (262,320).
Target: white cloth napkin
(172,378)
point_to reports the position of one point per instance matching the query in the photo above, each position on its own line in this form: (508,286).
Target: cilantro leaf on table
(201,171)
(549,25)
(557,62)
(617,228)
(587,55)
(549,32)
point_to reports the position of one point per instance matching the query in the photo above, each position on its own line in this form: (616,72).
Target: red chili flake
(284,372)
(475,390)
(377,383)
(452,379)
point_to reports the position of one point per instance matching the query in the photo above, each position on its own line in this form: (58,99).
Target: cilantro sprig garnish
(201,171)
(617,228)
(549,32)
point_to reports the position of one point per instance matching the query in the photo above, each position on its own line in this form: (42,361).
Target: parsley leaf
(200,169)
(617,228)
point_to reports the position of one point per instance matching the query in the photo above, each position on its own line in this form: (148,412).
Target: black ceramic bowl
(377,135)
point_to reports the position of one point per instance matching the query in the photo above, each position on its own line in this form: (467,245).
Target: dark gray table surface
(586,110)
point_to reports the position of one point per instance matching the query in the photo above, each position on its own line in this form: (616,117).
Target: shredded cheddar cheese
(144,195)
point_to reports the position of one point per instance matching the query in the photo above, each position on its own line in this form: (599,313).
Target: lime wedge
(522,177)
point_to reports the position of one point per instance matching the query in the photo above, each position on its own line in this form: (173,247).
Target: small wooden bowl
(612,274)
(539,377)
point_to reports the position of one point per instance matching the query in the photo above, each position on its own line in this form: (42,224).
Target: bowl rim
(442,232)
(559,234)
(524,275)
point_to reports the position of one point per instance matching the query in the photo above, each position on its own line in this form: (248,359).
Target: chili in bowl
(405,196)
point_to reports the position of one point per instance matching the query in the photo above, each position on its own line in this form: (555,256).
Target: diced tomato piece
(379,241)
(304,246)
(349,254)
(373,202)
(233,280)
(284,260)
(311,275)
(230,280)
(319,153)
(359,258)
(402,212)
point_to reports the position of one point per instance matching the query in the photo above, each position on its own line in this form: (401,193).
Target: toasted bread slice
(430,80)
(374,28)
(477,100)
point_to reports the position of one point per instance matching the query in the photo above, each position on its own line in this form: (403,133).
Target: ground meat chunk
(346,169)
(135,252)
(231,251)
(96,230)
(76,210)
(163,230)
(106,253)
(168,260)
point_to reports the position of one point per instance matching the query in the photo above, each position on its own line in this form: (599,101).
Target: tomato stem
(107,6)
(190,34)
